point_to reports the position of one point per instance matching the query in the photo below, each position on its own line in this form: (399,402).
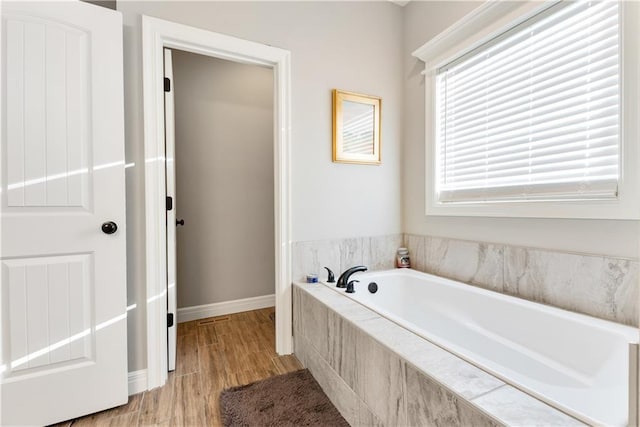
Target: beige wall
(423,21)
(224,176)
(334,46)
(353,46)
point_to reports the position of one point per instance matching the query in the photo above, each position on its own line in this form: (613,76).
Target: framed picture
(356,128)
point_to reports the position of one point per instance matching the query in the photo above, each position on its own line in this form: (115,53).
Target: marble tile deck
(398,378)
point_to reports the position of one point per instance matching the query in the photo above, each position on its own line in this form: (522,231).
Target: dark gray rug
(293,399)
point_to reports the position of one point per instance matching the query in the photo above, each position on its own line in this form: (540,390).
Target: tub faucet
(350,288)
(344,277)
(331,278)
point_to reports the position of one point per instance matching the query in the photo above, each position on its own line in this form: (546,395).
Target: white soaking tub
(579,364)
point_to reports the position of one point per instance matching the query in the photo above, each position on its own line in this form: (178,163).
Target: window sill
(620,209)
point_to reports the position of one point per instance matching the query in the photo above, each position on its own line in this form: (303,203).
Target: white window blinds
(534,114)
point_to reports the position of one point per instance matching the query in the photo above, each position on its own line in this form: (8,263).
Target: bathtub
(579,364)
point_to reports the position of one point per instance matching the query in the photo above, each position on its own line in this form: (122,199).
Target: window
(533,115)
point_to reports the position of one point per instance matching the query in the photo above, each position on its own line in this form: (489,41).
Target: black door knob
(180,222)
(109,227)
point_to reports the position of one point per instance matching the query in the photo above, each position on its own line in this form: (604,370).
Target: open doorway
(220,214)
(158,34)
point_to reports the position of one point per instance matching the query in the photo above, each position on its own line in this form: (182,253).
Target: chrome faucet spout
(344,277)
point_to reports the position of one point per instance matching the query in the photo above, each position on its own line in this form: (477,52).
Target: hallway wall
(224,177)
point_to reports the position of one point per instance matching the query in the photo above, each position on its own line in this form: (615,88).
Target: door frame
(156,35)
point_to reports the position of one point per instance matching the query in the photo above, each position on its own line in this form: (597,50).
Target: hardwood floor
(213,354)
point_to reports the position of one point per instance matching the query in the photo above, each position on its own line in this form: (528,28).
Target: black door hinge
(169,203)
(169,320)
(167,84)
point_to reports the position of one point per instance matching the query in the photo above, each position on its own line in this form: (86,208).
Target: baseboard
(137,381)
(187,314)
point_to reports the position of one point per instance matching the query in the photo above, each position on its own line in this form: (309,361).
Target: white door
(63,299)
(169,130)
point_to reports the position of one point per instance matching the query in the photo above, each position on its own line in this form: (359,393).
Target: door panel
(63,299)
(47,103)
(49,311)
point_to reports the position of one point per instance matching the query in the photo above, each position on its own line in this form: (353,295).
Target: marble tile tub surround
(378,373)
(377,253)
(599,286)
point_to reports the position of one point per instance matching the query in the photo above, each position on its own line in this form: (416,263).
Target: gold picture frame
(356,128)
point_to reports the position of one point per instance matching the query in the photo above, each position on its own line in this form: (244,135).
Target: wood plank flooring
(213,354)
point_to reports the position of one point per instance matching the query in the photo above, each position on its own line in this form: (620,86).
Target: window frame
(487,22)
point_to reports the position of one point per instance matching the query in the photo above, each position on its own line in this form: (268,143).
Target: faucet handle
(331,278)
(350,288)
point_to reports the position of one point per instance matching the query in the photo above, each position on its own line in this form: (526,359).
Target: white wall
(224,176)
(423,21)
(353,46)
